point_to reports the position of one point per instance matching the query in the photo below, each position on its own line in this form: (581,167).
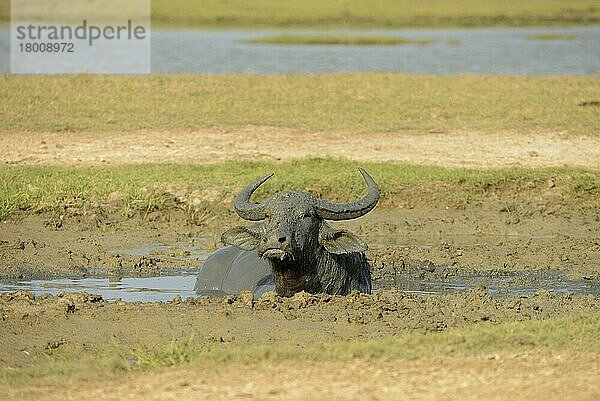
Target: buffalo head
(291,232)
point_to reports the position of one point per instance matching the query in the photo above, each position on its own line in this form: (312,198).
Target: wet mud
(494,252)
(80,322)
(489,238)
(101,242)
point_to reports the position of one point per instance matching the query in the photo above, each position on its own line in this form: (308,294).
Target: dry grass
(361,13)
(369,102)
(330,39)
(145,188)
(383,13)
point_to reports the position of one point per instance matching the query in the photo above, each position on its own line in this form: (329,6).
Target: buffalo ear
(340,241)
(242,237)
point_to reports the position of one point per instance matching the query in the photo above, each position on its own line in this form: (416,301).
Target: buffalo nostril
(282,240)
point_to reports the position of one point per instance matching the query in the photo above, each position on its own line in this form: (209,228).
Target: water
(420,279)
(165,288)
(453,51)
(129,289)
(497,284)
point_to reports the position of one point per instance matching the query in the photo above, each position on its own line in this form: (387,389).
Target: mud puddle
(431,280)
(128,289)
(416,281)
(391,270)
(173,282)
(180,250)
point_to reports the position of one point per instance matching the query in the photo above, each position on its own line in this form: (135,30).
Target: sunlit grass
(361,13)
(565,333)
(573,332)
(552,36)
(176,352)
(147,188)
(382,13)
(344,40)
(367,102)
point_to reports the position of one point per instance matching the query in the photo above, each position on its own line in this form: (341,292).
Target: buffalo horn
(347,211)
(247,210)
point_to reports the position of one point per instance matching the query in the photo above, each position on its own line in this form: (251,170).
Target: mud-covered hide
(230,270)
(303,251)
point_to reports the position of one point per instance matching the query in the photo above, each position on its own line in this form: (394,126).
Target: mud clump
(393,310)
(400,311)
(33,248)
(80,322)
(486,237)
(67,303)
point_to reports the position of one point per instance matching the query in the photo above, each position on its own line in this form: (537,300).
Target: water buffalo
(291,248)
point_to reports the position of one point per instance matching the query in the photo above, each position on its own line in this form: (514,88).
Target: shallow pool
(165,288)
(512,51)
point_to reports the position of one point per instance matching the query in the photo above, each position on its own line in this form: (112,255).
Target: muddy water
(420,279)
(128,289)
(420,251)
(439,279)
(424,280)
(177,282)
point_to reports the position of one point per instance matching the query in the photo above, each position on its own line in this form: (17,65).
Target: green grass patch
(573,333)
(146,188)
(362,14)
(176,352)
(566,333)
(383,13)
(344,40)
(370,102)
(552,36)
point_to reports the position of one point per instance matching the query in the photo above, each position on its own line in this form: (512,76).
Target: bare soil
(545,376)
(503,234)
(75,324)
(209,145)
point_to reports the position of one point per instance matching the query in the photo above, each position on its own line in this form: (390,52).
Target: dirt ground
(453,149)
(76,324)
(564,376)
(523,235)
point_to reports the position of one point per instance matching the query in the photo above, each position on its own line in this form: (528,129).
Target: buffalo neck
(299,274)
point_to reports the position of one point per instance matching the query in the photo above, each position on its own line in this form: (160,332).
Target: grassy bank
(361,14)
(552,36)
(578,333)
(345,40)
(566,333)
(384,13)
(162,187)
(353,102)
